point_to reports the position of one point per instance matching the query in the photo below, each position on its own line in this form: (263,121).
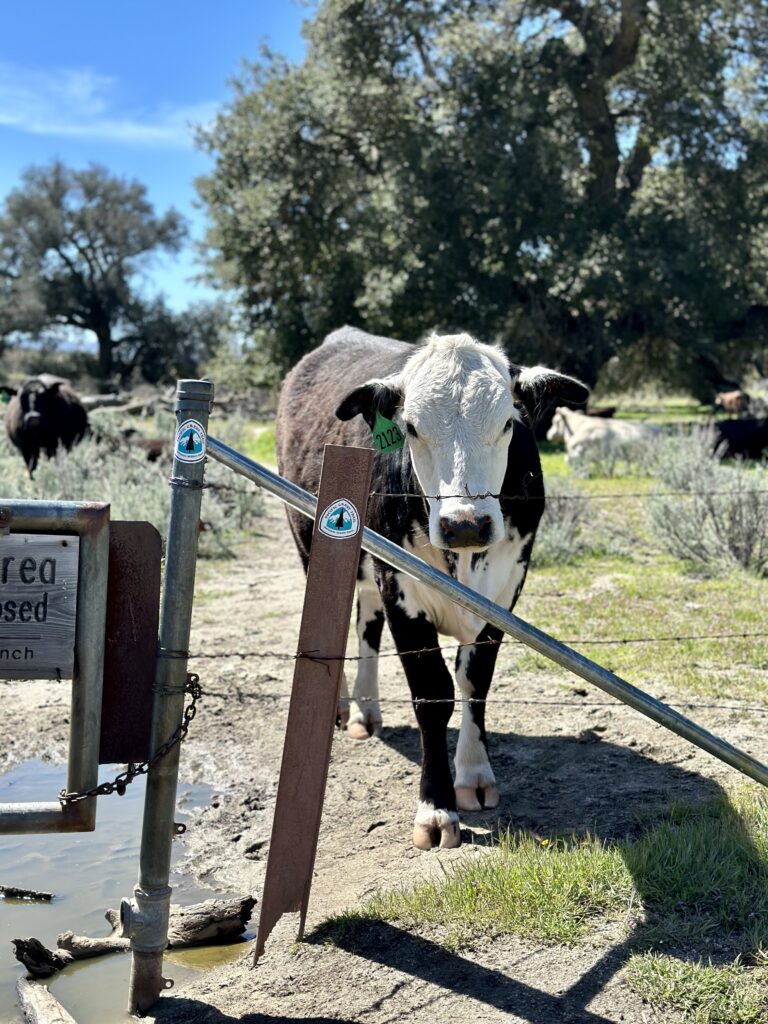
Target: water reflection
(87,872)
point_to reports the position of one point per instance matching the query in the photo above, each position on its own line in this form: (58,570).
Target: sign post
(331,575)
(145,917)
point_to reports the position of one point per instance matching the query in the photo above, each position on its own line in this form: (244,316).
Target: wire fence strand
(533,701)
(583,641)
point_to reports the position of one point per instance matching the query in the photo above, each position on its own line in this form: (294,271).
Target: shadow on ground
(193,1011)
(573,786)
(570,785)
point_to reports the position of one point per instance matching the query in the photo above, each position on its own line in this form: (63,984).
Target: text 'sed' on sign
(38,605)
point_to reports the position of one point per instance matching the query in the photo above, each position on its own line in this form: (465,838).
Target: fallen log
(11,892)
(103,401)
(39,1006)
(213,922)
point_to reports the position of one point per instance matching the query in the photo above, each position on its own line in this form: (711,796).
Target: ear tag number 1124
(387,436)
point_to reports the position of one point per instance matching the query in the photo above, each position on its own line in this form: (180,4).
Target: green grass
(550,890)
(615,581)
(702,992)
(259,443)
(695,881)
(611,597)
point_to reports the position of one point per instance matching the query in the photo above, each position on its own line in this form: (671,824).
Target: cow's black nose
(466,533)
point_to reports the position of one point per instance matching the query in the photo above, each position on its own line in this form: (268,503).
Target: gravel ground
(566,758)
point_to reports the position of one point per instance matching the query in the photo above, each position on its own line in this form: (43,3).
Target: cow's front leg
(437,821)
(475,782)
(365,712)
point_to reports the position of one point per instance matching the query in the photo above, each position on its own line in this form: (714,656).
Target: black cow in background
(740,439)
(44,414)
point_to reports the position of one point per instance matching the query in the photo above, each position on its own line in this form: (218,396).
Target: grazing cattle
(44,414)
(603,412)
(154,448)
(740,439)
(735,403)
(452,497)
(579,432)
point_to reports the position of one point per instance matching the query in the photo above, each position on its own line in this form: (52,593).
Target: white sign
(340,520)
(38,605)
(190,441)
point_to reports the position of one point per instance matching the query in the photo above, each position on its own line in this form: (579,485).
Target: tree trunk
(104,339)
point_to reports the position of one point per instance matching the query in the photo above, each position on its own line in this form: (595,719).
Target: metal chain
(124,779)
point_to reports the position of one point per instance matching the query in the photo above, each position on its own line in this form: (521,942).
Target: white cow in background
(580,432)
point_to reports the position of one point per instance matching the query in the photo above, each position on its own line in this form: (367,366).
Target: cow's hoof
(436,828)
(364,730)
(476,798)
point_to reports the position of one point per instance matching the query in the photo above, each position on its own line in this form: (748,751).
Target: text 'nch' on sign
(38,605)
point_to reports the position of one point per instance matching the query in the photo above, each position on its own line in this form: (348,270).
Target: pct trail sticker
(190,442)
(340,520)
(387,436)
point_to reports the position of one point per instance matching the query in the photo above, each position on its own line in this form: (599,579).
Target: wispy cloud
(80,103)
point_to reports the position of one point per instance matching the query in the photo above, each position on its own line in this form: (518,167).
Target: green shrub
(719,517)
(558,540)
(610,457)
(110,470)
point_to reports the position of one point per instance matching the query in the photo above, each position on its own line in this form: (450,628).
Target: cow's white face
(455,402)
(458,415)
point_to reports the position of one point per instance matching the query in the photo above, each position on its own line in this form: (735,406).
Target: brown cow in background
(44,414)
(735,403)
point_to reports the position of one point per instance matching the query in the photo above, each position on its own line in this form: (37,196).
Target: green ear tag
(387,436)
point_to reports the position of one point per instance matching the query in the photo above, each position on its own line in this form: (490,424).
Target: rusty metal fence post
(145,918)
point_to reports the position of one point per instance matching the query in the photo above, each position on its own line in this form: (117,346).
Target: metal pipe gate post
(145,918)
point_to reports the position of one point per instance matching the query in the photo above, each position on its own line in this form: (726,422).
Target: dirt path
(566,759)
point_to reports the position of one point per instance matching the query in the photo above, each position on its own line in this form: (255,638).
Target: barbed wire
(533,701)
(584,641)
(500,496)
(570,497)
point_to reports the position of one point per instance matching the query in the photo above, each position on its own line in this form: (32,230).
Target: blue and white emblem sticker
(190,441)
(340,520)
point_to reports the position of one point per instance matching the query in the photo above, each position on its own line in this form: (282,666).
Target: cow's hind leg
(475,783)
(364,709)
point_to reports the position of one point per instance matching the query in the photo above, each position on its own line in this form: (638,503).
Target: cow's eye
(410,429)
(508,425)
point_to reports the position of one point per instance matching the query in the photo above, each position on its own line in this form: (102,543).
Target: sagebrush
(717,516)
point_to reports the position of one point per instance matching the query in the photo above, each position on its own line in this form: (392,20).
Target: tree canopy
(573,178)
(72,244)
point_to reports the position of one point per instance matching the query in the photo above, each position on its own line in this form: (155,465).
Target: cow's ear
(376,396)
(8,392)
(538,388)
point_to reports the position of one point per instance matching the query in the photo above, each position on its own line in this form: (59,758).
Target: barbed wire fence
(580,690)
(581,496)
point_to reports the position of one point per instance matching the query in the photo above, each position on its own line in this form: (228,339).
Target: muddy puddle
(87,872)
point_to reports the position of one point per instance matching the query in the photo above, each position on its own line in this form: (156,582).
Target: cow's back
(312,392)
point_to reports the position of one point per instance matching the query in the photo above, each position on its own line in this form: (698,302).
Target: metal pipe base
(146,981)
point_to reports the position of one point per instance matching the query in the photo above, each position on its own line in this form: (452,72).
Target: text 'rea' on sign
(38,605)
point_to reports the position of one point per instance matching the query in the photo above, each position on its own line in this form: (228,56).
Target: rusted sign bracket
(133,615)
(342,502)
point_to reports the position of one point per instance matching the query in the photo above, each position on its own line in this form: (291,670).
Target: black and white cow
(462,408)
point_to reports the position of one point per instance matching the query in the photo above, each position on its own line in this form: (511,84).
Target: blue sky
(120,83)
